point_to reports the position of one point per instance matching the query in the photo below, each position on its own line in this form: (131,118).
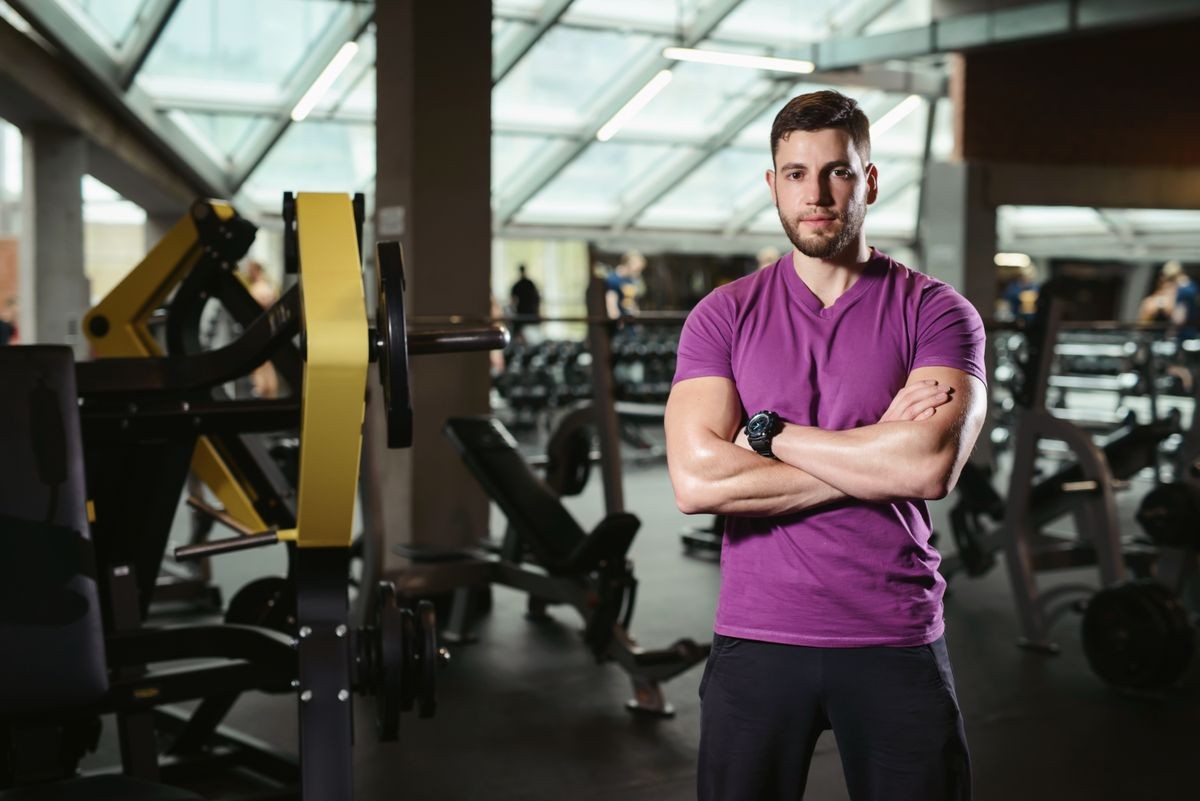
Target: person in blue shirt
(1022,294)
(1186,312)
(624,286)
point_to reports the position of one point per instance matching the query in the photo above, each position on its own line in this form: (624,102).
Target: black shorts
(893,712)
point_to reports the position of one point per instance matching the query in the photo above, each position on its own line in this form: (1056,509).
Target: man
(864,384)
(623,285)
(526,301)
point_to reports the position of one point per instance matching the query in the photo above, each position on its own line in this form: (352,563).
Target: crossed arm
(916,450)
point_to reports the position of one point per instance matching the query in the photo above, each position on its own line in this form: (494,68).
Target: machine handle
(456,340)
(227,545)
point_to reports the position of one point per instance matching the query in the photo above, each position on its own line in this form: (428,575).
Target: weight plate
(1136,636)
(412,678)
(388,674)
(1182,636)
(392,336)
(266,602)
(427,653)
(1169,513)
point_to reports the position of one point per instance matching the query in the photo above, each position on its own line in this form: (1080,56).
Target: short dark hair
(816,111)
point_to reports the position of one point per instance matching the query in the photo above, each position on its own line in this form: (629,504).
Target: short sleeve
(706,342)
(949,333)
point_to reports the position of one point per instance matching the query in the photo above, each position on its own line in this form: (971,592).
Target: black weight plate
(266,602)
(1182,636)
(389,672)
(1127,638)
(1170,515)
(412,676)
(427,649)
(570,462)
(392,332)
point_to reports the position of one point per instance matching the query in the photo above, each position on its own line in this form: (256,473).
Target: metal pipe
(451,340)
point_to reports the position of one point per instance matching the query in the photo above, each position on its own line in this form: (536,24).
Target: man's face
(821,189)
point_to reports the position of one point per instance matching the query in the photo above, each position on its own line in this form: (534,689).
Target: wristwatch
(761,429)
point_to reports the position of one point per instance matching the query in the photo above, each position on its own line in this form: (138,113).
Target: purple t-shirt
(851,573)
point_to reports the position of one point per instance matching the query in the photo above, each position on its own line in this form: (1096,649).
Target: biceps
(955,425)
(701,409)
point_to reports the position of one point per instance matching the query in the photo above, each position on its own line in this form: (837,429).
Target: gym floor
(525,713)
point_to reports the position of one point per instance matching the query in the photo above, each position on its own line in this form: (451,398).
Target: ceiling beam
(36,87)
(686,161)
(1121,229)
(636,76)
(504,59)
(961,32)
(854,18)
(152,20)
(351,22)
(95,67)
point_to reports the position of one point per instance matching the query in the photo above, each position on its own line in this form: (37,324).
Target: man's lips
(818,222)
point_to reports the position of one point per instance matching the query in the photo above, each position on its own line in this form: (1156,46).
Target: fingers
(916,401)
(924,408)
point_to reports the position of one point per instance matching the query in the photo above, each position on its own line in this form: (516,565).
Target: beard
(825,244)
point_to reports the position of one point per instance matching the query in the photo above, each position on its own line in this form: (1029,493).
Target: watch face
(759,424)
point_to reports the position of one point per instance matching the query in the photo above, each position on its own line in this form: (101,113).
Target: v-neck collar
(874,270)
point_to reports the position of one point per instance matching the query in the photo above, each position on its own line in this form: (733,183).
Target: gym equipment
(1137,635)
(1125,453)
(140,419)
(1170,515)
(546,554)
(55,670)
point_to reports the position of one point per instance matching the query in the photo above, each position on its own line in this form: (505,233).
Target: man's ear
(771,183)
(872,183)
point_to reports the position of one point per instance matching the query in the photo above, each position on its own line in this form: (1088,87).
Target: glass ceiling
(226,75)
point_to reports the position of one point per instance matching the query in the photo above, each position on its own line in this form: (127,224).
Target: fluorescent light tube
(739,60)
(898,112)
(1012,260)
(635,104)
(324,81)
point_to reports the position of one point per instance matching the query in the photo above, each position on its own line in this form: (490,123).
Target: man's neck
(830,278)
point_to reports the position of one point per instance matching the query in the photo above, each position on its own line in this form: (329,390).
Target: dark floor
(526,714)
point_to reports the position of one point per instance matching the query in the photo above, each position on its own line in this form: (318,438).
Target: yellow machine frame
(127,310)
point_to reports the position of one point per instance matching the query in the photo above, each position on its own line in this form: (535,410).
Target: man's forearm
(728,479)
(879,462)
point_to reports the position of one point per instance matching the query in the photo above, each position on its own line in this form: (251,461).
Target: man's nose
(812,191)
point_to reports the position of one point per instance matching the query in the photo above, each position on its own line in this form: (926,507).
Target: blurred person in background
(767,256)
(264,381)
(525,301)
(1021,294)
(624,286)
(1159,305)
(8,321)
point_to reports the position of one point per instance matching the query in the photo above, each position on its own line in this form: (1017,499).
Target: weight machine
(140,417)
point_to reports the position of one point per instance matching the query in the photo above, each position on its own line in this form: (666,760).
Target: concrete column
(433,135)
(54,291)
(958,238)
(958,232)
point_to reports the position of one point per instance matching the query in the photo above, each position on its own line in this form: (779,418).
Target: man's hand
(917,401)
